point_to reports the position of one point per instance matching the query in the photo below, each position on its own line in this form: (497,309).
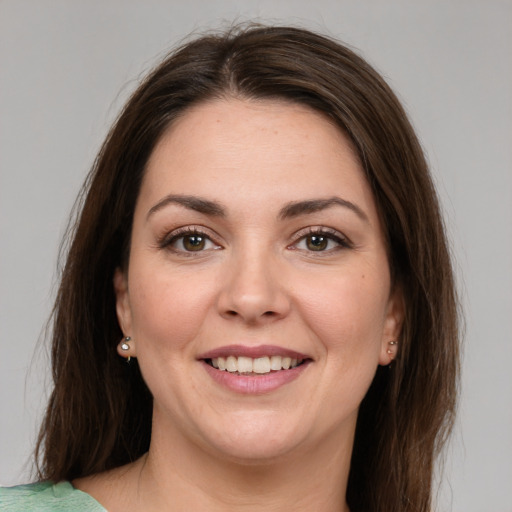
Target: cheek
(347,322)
(167,310)
(347,312)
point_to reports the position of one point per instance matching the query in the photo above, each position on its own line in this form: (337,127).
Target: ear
(393,322)
(124,314)
(123,309)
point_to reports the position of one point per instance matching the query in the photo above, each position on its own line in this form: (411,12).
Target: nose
(253,290)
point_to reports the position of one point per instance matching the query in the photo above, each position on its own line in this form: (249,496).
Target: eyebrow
(293,209)
(297,208)
(192,203)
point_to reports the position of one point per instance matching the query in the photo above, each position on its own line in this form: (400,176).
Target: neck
(182,476)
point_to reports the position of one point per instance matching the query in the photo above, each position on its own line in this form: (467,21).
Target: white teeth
(244,365)
(231,364)
(275,362)
(259,365)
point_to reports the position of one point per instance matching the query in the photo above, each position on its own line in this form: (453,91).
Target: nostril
(267,314)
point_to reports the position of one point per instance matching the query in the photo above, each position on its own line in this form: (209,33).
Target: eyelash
(167,241)
(327,233)
(331,235)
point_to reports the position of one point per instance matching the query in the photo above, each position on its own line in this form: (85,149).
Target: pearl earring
(125,346)
(390,350)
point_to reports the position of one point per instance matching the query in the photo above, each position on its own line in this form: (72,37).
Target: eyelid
(331,233)
(165,241)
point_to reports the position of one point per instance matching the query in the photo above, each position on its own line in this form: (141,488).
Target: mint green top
(47,497)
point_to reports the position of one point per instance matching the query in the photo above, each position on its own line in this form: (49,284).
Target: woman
(261,241)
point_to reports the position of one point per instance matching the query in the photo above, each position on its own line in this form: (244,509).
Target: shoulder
(47,497)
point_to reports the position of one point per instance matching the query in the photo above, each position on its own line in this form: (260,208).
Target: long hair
(99,413)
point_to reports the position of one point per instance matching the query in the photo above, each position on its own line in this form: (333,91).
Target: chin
(254,440)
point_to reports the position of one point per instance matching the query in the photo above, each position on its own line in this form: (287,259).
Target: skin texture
(255,280)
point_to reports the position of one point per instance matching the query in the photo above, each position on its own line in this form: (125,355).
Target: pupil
(317,243)
(193,242)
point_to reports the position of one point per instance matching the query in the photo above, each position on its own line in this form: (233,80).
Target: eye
(191,242)
(188,240)
(321,240)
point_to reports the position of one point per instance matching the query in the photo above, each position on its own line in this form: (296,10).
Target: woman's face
(257,247)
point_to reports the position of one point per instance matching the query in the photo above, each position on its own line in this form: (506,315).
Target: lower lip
(257,384)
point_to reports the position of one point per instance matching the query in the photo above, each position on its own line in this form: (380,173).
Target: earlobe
(125,348)
(123,309)
(392,327)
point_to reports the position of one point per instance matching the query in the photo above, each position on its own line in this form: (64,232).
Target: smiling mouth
(248,366)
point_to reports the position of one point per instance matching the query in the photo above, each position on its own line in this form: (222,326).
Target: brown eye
(323,240)
(194,242)
(317,242)
(188,241)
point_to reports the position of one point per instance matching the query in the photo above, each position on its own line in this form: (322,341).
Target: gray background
(67,66)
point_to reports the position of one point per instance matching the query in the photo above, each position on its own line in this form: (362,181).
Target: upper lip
(252,352)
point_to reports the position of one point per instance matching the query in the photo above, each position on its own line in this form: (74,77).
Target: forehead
(272,150)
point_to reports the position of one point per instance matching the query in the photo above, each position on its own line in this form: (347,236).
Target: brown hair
(99,413)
